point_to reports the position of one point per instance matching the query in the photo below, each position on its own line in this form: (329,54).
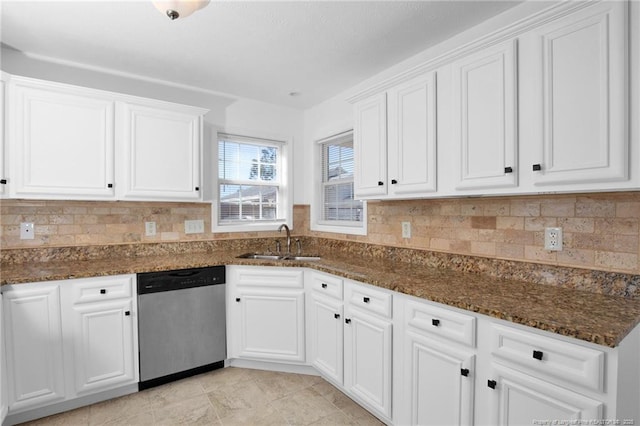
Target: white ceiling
(262,50)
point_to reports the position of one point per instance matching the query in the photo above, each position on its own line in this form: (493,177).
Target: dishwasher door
(181,330)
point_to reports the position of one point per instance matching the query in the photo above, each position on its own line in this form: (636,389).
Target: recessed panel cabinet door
(580,96)
(272,325)
(370,146)
(519,399)
(412,136)
(62,142)
(367,368)
(439,380)
(35,366)
(103,345)
(485,118)
(161,153)
(327,337)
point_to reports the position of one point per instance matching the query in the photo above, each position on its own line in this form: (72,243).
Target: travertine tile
(193,411)
(78,417)
(304,407)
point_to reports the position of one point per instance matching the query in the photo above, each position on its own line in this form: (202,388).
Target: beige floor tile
(142,419)
(304,407)
(224,377)
(337,418)
(77,417)
(263,416)
(277,385)
(193,411)
(181,390)
(237,396)
(118,409)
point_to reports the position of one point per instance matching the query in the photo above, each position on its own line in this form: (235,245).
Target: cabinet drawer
(369,299)
(555,359)
(268,276)
(441,322)
(101,288)
(327,285)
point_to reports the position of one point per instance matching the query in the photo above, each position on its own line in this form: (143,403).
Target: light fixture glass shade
(184,8)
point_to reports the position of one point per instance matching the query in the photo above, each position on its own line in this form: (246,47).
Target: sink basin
(277,257)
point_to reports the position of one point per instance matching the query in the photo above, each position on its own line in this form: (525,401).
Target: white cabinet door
(412,136)
(485,118)
(439,381)
(577,96)
(367,355)
(3,369)
(3,170)
(326,336)
(103,345)
(162,147)
(62,142)
(35,367)
(271,324)
(519,399)
(370,146)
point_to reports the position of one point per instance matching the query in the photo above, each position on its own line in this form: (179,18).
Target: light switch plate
(150,229)
(406,229)
(27,231)
(194,226)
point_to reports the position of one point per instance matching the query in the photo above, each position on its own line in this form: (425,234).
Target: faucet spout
(286,228)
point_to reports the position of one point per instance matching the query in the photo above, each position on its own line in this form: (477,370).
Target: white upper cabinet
(62,141)
(161,152)
(485,118)
(3,169)
(69,142)
(370,145)
(412,136)
(575,75)
(395,141)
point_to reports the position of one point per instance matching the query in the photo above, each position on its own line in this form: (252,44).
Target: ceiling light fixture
(175,9)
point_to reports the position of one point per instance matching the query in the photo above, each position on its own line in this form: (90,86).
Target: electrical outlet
(553,239)
(150,229)
(194,226)
(27,231)
(406,229)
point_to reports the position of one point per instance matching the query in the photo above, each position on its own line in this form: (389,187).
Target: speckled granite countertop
(596,318)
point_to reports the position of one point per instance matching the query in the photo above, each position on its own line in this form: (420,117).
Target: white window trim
(330,226)
(286,192)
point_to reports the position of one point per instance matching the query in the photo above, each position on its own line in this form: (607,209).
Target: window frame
(317,223)
(285,196)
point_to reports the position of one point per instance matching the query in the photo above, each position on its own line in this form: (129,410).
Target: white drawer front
(368,299)
(327,285)
(441,322)
(557,360)
(102,288)
(269,276)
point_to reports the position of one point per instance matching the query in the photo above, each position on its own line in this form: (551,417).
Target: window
(338,211)
(251,184)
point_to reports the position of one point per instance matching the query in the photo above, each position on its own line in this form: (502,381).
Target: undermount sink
(276,256)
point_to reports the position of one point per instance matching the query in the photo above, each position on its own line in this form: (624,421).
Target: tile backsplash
(601,231)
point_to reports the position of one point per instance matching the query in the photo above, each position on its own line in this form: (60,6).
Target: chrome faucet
(286,228)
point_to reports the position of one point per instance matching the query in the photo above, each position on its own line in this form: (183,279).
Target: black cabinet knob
(3,181)
(127,313)
(393,181)
(103,291)
(492,384)
(197,188)
(324,285)
(464,372)
(237,299)
(347,320)
(109,185)
(435,322)
(508,170)
(537,355)
(537,167)
(380,183)
(366,299)
(336,316)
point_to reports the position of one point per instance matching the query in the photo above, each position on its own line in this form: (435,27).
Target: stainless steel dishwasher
(181,324)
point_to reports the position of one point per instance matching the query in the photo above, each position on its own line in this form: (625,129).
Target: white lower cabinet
(266,314)
(64,342)
(326,333)
(35,362)
(520,399)
(368,348)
